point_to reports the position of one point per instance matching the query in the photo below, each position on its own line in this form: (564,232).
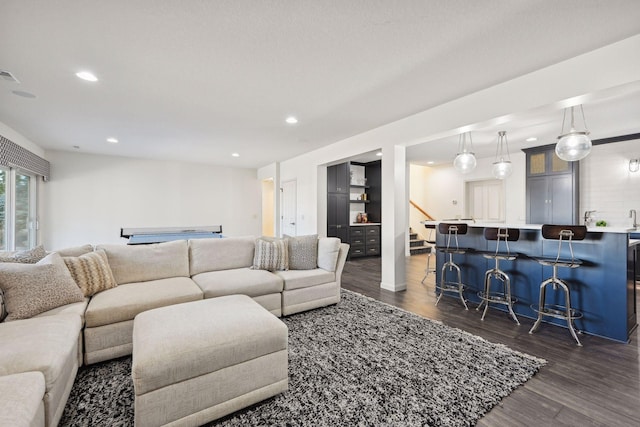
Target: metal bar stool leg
(487,288)
(541,302)
(507,284)
(568,311)
(426,272)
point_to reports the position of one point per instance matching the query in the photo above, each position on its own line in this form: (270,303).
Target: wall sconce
(634,165)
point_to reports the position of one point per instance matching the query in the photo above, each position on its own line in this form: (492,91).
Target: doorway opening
(268,208)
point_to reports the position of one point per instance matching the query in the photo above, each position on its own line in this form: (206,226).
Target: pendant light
(502,168)
(465,160)
(573,145)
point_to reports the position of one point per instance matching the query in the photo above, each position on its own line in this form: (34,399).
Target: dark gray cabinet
(552,187)
(338,177)
(338,201)
(338,216)
(365,240)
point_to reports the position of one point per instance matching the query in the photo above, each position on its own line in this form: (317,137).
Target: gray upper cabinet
(552,187)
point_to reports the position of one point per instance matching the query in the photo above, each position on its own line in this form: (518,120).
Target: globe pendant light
(573,145)
(502,168)
(465,160)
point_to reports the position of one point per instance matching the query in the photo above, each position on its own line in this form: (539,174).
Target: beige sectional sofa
(58,341)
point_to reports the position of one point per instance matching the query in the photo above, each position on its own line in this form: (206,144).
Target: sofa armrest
(342,259)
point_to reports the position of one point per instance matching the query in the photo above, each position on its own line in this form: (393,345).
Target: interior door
(289,203)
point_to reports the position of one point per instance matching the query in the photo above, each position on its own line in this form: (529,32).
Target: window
(17,209)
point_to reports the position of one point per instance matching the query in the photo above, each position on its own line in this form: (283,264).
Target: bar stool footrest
(557,311)
(496,298)
(450,286)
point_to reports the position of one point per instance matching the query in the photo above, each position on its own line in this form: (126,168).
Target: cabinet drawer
(357,240)
(373,251)
(372,230)
(373,240)
(356,251)
(357,231)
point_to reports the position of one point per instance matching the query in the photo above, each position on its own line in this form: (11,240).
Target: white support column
(394,214)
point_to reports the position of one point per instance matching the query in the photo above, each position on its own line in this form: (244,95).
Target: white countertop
(633,242)
(358,224)
(522,226)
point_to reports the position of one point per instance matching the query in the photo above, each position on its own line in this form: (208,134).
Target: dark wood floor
(594,385)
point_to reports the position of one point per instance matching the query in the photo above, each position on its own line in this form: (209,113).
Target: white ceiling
(198,80)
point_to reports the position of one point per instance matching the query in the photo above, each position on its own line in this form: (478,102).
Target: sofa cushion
(47,344)
(303,252)
(77,308)
(29,256)
(123,302)
(243,281)
(75,251)
(141,263)
(21,403)
(271,255)
(30,289)
(42,344)
(296,279)
(91,272)
(220,254)
(328,251)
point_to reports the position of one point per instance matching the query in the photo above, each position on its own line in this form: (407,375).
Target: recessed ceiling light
(533,138)
(291,120)
(379,154)
(112,140)
(430,162)
(235,154)
(86,75)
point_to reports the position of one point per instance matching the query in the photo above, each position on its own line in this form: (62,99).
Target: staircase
(416,244)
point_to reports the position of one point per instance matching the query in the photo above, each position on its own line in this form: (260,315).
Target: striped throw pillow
(91,272)
(271,255)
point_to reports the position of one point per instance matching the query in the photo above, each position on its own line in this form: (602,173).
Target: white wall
(90,197)
(444,189)
(607,186)
(21,140)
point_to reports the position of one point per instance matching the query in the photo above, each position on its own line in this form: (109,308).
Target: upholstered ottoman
(199,361)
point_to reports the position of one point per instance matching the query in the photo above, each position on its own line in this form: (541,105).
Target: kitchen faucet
(632,214)
(587,217)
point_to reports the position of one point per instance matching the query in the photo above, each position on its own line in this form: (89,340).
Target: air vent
(6,75)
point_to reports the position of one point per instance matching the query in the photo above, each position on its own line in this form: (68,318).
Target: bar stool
(503,296)
(451,230)
(563,234)
(431,240)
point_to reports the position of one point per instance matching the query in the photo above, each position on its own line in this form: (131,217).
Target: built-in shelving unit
(355,188)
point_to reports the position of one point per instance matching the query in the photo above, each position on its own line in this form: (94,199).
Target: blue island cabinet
(602,289)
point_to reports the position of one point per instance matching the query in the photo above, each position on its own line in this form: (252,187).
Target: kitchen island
(602,288)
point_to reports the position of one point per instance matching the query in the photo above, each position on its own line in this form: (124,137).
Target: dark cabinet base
(365,240)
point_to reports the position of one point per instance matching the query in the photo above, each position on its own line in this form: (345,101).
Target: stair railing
(422,211)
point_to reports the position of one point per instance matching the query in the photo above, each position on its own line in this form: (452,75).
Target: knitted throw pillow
(31,289)
(29,256)
(271,255)
(303,252)
(91,272)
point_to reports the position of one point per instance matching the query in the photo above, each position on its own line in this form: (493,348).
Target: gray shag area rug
(361,362)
